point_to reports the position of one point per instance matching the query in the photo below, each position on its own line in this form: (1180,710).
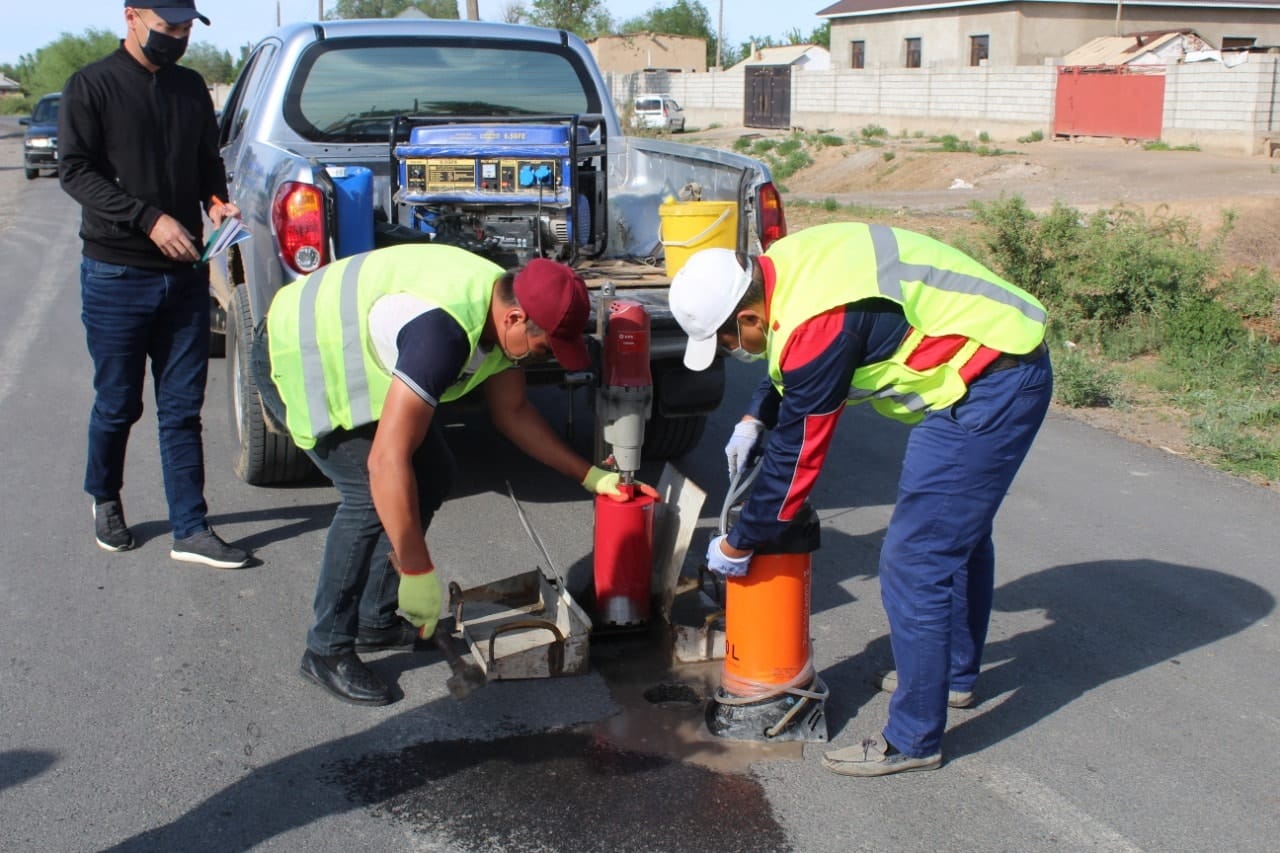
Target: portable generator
(509,190)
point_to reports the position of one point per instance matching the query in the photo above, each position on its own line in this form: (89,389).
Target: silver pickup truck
(340,137)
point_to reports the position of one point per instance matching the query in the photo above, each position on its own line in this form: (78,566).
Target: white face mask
(742,355)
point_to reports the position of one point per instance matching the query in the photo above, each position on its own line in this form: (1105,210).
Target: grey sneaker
(874,758)
(887,681)
(109,527)
(206,547)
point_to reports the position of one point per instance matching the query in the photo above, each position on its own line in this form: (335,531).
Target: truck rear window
(346,90)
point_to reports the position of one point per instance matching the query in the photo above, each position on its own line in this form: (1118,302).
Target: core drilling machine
(624,529)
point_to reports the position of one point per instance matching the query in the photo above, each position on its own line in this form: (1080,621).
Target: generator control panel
(487,163)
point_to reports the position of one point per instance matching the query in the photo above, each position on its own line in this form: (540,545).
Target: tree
(681,18)
(215,66)
(586,18)
(49,67)
(391,8)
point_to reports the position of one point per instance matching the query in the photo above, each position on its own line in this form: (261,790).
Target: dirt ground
(931,191)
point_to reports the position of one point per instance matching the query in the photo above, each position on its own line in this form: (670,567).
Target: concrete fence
(1205,103)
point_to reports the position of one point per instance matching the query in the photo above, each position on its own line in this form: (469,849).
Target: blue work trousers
(130,315)
(937,566)
(357,585)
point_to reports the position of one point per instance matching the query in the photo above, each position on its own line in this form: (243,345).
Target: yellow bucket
(689,226)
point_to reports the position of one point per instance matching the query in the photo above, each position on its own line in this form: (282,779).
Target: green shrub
(1078,382)
(792,163)
(789,146)
(1200,331)
(1033,136)
(1251,293)
(764,145)
(829,140)
(830,205)
(742,143)
(888,155)
(1136,336)
(984,137)
(873,131)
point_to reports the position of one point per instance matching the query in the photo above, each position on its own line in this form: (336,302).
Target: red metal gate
(1114,101)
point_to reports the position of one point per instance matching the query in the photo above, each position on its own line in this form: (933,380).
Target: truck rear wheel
(264,458)
(670,437)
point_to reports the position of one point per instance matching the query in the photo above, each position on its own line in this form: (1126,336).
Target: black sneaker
(109,527)
(205,547)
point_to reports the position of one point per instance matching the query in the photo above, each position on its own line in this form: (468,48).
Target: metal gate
(768,96)
(1112,101)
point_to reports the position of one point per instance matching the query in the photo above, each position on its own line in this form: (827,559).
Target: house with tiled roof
(925,34)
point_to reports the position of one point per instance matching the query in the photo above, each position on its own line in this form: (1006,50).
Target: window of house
(1237,42)
(979,49)
(857,54)
(913,53)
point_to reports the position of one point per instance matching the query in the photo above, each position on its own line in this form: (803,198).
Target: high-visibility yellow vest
(942,292)
(322,356)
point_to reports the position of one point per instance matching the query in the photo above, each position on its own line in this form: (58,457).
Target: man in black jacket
(138,149)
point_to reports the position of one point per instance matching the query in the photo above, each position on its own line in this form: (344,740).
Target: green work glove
(420,599)
(601,482)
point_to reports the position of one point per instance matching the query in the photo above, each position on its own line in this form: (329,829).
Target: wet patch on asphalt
(568,790)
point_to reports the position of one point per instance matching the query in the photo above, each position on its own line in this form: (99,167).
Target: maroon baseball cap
(173,11)
(555,297)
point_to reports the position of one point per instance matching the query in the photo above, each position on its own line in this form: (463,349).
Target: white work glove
(722,564)
(746,435)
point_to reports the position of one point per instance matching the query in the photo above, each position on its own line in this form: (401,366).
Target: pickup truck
(343,136)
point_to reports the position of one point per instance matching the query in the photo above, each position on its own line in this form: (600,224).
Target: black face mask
(162,49)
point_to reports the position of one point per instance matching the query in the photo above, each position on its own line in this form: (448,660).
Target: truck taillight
(297,215)
(773,223)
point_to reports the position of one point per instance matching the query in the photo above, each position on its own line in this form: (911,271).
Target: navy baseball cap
(173,11)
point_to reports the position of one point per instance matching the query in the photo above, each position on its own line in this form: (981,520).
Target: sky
(29,26)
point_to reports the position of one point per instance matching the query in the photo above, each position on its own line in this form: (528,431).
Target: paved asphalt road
(1128,701)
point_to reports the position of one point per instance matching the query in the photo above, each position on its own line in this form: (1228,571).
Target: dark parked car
(40,145)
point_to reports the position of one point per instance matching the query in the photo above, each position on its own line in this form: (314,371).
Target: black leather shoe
(401,636)
(345,676)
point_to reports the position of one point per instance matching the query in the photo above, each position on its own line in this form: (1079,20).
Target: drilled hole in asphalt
(672,694)
(561,791)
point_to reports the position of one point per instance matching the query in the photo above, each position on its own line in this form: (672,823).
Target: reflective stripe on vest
(322,358)
(891,271)
(941,290)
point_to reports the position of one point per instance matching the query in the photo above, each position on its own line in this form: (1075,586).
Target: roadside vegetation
(1145,312)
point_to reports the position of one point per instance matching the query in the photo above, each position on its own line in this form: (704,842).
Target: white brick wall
(1204,102)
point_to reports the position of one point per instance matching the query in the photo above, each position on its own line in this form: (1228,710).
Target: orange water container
(767,624)
(768,687)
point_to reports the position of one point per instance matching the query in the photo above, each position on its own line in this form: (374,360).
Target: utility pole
(473,10)
(277,13)
(720,39)
(319,10)
(1119,7)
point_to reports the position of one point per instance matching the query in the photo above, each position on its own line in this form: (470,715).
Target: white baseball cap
(704,293)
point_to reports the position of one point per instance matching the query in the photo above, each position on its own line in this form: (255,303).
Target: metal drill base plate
(754,722)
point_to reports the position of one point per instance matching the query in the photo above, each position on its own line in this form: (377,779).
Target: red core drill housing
(624,530)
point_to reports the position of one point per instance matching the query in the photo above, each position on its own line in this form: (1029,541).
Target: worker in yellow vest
(849,313)
(354,360)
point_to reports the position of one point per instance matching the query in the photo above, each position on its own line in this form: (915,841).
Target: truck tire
(263,458)
(671,437)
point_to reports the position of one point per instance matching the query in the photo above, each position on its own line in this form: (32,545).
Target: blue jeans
(357,586)
(937,566)
(131,314)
